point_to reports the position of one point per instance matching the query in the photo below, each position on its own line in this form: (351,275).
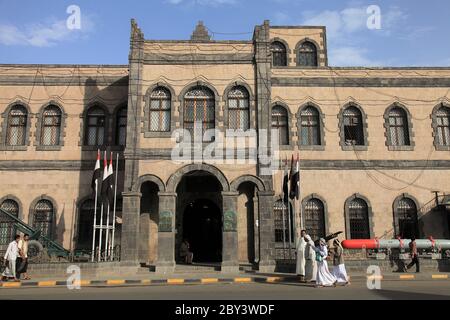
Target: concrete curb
(206,281)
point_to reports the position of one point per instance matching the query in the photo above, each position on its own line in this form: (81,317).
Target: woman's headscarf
(322,242)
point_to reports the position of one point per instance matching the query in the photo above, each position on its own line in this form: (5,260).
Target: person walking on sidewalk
(10,259)
(301,246)
(338,262)
(414,255)
(22,260)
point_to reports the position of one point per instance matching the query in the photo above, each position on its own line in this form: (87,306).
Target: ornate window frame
(288,52)
(32,211)
(321,146)
(434,125)
(325,209)
(39,126)
(4,127)
(291,132)
(341,128)
(348,233)
(83,127)
(19,203)
(251,100)
(114,145)
(388,141)
(146,120)
(319,51)
(395,212)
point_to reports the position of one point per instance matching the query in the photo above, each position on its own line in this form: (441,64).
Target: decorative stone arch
(5,116)
(291,131)
(146,120)
(320,147)
(39,123)
(83,124)
(175,178)
(251,99)
(17,200)
(325,208)
(409,123)
(247,178)
(347,218)
(55,211)
(286,46)
(318,52)
(149,178)
(341,128)
(217,100)
(434,126)
(395,212)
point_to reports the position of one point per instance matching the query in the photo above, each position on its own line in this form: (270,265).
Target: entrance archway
(202,227)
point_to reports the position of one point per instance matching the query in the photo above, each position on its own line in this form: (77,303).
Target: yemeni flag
(110,190)
(104,193)
(295,179)
(97,173)
(286,183)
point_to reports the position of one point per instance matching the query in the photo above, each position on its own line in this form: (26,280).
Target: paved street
(434,290)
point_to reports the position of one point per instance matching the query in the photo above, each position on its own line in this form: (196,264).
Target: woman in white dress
(338,261)
(310,256)
(324,278)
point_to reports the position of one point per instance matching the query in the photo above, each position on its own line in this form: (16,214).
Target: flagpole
(107,234)
(101,235)
(283,211)
(95,221)
(114,214)
(300,209)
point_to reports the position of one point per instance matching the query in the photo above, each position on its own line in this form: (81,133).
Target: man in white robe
(311,264)
(324,276)
(11,256)
(301,259)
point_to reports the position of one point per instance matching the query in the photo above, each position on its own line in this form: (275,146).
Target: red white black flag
(97,173)
(110,190)
(295,179)
(104,192)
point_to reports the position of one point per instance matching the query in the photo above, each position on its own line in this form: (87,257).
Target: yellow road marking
(146,281)
(115,282)
(210,280)
(407,276)
(439,276)
(273,279)
(242,280)
(47,283)
(175,281)
(12,285)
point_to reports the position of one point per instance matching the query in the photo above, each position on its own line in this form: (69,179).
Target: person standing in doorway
(11,256)
(22,259)
(301,246)
(185,252)
(414,255)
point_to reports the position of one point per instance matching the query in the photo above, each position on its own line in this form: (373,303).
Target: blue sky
(413,32)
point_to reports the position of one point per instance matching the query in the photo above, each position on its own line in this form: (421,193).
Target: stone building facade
(373,145)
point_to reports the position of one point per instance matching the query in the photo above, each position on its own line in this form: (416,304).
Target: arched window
(284,230)
(121,127)
(353,127)
(279,56)
(43,217)
(310,127)
(199,110)
(315,218)
(95,128)
(160,106)
(280,121)
(7,225)
(307,55)
(51,126)
(406,223)
(398,127)
(238,109)
(358,219)
(85,224)
(17,126)
(442,131)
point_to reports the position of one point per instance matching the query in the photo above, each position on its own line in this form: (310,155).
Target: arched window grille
(398,127)
(95,128)
(160,108)
(280,121)
(7,225)
(279,56)
(199,110)
(315,219)
(358,218)
(51,126)
(353,127)
(17,126)
(43,217)
(238,109)
(443,126)
(406,219)
(310,127)
(307,55)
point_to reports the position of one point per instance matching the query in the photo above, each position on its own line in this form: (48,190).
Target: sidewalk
(206,278)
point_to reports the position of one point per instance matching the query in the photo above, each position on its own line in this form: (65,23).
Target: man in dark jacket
(414,255)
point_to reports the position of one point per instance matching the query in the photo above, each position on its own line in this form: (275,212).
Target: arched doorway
(199,216)
(202,227)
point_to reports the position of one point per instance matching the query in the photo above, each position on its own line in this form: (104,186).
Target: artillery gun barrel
(395,244)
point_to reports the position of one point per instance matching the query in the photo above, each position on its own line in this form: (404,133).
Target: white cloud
(352,56)
(42,35)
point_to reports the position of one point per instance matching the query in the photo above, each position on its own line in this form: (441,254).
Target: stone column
(130,227)
(166,232)
(266,231)
(256,227)
(230,254)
